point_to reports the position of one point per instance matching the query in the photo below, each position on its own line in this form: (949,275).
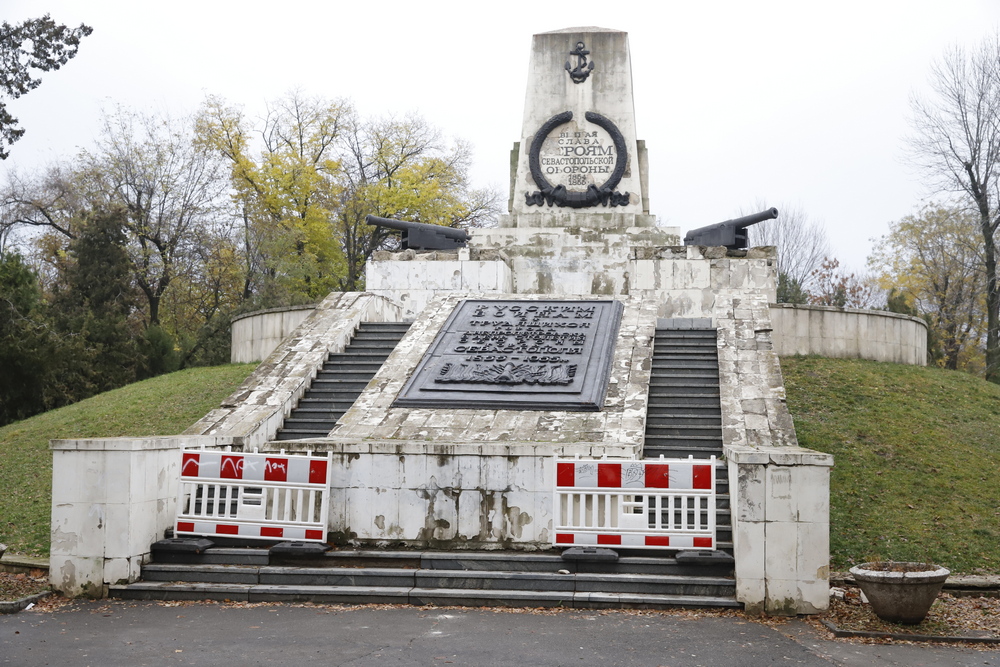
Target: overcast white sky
(797,102)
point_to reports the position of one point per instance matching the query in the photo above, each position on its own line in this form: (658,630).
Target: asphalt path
(112,633)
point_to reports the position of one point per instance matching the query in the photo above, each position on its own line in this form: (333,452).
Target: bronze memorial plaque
(518,355)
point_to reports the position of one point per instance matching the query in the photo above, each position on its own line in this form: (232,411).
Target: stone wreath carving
(593,195)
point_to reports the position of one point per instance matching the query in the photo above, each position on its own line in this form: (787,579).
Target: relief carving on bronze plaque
(518,355)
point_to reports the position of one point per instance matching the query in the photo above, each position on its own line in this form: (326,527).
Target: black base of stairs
(445,578)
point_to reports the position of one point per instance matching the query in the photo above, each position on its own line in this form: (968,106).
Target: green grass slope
(163,405)
(917,450)
(917,459)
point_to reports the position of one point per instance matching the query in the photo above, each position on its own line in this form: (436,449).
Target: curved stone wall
(797,329)
(848,333)
(256,334)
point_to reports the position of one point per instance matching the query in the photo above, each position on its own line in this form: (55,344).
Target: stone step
(437,578)
(301,434)
(369,357)
(670,418)
(688,374)
(685,348)
(690,405)
(413,596)
(679,361)
(696,441)
(367,344)
(397,328)
(312,410)
(320,425)
(697,402)
(325,403)
(344,375)
(352,364)
(668,334)
(324,385)
(630,561)
(687,430)
(676,386)
(471,578)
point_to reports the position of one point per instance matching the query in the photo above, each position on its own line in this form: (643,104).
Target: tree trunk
(992,306)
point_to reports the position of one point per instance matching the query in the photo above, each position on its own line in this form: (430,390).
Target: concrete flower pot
(900,592)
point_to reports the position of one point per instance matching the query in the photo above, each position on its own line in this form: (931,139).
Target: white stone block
(783,596)
(813,551)
(780,558)
(74,575)
(749,549)
(122,570)
(812,493)
(78,529)
(750,492)
(781,500)
(752,593)
(69,482)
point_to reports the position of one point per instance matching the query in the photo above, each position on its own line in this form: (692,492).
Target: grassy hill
(917,453)
(917,459)
(163,405)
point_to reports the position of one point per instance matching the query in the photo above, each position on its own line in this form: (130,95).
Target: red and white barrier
(647,504)
(255,496)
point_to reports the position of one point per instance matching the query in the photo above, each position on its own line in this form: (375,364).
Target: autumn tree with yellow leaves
(304,179)
(933,260)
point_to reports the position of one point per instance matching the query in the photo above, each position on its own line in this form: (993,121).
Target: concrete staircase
(341,380)
(684,419)
(684,416)
(466,578)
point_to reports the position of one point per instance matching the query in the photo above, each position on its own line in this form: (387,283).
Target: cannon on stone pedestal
(731,233)
(421,236)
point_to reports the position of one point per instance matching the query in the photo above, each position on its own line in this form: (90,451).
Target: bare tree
(168,184)
(957,143)
(832,286)
(801,242)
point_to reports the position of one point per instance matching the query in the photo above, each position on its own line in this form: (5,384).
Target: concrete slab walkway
(111,633)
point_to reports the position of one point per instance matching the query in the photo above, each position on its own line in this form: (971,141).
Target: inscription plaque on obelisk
(518,355)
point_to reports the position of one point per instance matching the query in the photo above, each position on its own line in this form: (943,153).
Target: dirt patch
(974,617)
(17,586)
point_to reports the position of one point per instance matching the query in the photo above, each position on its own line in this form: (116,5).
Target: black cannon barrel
(421,236)
(731,233)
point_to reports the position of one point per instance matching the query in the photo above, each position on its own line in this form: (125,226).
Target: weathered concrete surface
(255,335)
(111,499)
(619,426)
(477,478)
(849,333)
(607,90)
(254,412)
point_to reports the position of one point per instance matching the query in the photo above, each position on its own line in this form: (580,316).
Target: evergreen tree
(23,341)
(95,307)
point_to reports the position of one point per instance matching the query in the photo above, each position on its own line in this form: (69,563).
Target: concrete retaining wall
(255,335)
(840,333)
(848,333)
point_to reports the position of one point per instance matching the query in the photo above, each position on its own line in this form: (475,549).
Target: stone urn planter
(900,592)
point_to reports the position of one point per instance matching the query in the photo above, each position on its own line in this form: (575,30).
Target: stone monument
(532,342)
